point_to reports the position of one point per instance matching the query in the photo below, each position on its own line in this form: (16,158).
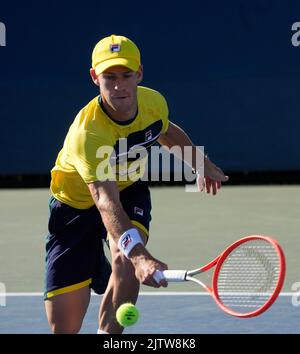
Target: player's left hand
(213,177)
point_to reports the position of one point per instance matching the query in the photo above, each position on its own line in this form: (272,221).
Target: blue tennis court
(241,211)
(160,313)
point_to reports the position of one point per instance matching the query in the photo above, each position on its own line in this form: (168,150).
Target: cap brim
(128,63)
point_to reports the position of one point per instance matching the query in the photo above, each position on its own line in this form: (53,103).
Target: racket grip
(170,275)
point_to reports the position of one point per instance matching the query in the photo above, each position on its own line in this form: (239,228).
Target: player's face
(118,88)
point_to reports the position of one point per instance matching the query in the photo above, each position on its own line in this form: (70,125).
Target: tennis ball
(127,315)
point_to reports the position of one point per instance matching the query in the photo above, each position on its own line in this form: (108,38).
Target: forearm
(114,218)
(107,200)
(117,222)
(188,152)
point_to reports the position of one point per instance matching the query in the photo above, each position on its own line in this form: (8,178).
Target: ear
(94,76)
(140,74)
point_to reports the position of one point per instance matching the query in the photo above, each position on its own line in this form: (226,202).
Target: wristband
(128,241)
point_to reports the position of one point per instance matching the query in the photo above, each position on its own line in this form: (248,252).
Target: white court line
(147,293)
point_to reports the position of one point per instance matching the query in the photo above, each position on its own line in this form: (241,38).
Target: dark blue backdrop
(228,70)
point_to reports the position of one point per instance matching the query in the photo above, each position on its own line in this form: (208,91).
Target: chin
(122,107)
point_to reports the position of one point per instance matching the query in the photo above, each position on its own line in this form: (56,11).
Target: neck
(121,116)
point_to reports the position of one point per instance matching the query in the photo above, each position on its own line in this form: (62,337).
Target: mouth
(120,97)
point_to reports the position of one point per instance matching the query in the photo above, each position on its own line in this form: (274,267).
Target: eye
(127,75)
(108,77)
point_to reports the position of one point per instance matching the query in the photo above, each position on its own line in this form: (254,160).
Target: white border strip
(147,293)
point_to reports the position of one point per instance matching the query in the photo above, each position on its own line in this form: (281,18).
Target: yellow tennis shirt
(98,148)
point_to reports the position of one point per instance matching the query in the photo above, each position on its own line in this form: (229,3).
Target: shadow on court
(159,314)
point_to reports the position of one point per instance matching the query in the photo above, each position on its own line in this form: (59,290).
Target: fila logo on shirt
(148,135)
(138,211)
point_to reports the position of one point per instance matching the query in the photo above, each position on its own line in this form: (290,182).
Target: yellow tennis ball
(127,315)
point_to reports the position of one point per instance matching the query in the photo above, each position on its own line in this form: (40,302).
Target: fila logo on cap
(115,47)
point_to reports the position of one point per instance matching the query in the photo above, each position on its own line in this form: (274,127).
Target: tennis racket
(247,277)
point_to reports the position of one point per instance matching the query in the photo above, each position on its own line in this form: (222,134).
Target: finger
(154,284)
(225,178)
(163,266)
(164,283)
(208,184)
(149,281)
(214,187)
(219,184)
(159,277)
(200,183)
(221,176)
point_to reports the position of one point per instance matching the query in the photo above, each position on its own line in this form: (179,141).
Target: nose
(118,85)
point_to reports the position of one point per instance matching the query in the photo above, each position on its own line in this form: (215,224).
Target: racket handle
(170,275)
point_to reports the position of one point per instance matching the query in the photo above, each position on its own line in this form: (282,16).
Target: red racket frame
(218,263)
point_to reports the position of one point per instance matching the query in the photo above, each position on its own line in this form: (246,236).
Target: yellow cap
(115,50)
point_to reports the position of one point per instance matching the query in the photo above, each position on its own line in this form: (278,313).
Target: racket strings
(249,275)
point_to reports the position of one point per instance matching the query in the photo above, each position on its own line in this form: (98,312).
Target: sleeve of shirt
(92,157)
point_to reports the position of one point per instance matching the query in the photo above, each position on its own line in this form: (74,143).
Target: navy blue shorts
(74,246)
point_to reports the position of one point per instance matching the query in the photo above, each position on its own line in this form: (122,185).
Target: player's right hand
(146,266)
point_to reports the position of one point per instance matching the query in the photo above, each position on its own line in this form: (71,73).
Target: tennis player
(90,201)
